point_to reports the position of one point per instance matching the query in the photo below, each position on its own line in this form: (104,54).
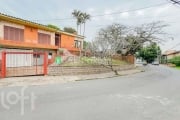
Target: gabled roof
(33,24)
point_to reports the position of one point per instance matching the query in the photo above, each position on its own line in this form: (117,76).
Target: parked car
(155,63)
(144,63)
(140,63)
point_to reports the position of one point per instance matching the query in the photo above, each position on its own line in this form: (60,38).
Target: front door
(57,40)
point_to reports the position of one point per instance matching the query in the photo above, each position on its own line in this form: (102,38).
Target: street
(150,95)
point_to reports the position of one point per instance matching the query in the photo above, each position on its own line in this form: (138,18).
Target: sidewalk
(44,80)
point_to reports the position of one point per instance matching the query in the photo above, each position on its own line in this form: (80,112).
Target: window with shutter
(44,39)
(12,33)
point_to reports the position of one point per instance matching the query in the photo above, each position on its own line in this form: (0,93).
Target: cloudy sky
(58,12)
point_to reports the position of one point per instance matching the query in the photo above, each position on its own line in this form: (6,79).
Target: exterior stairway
(68,56)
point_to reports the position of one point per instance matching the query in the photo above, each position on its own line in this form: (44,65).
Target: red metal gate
(23,64)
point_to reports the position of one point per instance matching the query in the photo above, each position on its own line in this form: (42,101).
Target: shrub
(175,60)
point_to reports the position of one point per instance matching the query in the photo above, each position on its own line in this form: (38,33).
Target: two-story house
(22,35)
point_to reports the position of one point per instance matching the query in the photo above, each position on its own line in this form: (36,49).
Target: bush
(175,60)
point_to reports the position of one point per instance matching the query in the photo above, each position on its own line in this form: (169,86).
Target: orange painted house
(16,33)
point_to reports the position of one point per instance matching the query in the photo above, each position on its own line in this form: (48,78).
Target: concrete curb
(113,76)
(48,80)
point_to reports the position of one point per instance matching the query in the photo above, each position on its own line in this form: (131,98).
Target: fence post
(3,69)
(45,63)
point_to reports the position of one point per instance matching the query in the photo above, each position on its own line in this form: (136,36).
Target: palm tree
(78,15)
(85,17)
(81,18)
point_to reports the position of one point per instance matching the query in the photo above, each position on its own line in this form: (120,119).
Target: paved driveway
(151,95)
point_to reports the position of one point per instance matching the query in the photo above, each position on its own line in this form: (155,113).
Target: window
(44,39)
(77,44)
(36,55)
(11,33)
(50,55)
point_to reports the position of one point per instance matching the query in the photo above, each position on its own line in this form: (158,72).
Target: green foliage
(81,18)
(53,26)
(85,44)
(78,15)
(175,60)
(69,30)
(149,53)
(178,67)
(119,52)
(99,61)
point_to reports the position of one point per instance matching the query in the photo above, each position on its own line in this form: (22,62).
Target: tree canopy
(81,18)
(69,30)
(149,53)
(118,38)
(53,26)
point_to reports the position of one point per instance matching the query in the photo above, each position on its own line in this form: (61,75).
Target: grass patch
(98,61)
(73,64)
(177,67)
(119,62)
(90,61)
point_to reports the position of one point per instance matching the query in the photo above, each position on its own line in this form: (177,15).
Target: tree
(85,44)
(110,39)
(85,17)
(86,47)
(149,53)
(78,15)
(146,33)
(69,30)
(175,60)
(53,26)
(151,32)
(133,44)
(107,42)
(81,18)
(117,38)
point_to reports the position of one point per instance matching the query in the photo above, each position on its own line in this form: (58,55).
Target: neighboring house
(22,35)
(171,53)
(167,55)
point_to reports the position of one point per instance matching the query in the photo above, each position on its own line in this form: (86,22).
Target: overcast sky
(54,12)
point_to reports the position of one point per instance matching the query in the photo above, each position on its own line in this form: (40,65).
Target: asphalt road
(150,95)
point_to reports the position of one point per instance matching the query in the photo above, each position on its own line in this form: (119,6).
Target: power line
(175,1)
(132,10)
(113,13)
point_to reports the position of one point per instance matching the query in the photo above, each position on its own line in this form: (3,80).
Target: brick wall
(128,58)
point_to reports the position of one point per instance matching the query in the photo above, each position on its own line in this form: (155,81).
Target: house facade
(171,53)
(22,35)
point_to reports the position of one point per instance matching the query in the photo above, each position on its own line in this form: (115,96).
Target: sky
(58,12)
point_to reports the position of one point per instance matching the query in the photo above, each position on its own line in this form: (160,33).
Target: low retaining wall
(84,70)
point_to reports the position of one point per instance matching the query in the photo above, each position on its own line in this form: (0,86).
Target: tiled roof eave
(25,22)
(34,24)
